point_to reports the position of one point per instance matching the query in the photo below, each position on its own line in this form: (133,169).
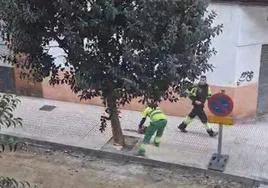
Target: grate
(47,108)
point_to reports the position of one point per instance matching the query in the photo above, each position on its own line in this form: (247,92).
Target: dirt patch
(49,169)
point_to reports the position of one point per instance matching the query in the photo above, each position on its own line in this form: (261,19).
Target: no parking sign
(220,105)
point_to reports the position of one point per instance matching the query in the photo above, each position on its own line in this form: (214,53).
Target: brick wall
(27,87)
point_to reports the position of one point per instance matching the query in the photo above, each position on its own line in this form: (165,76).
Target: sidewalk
(78,125)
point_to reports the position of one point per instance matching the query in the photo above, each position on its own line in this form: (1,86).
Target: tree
(6,182)
(118,50)
(8,104)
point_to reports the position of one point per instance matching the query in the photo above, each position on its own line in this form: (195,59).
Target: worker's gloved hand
(142,130)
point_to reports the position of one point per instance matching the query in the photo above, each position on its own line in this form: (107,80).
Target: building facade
(241,64)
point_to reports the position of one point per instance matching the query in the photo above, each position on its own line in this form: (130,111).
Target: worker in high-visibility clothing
(158,122)
(198,94)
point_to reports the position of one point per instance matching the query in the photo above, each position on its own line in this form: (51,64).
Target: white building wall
(254,27)
(253,33)
(224,61)
(239,46)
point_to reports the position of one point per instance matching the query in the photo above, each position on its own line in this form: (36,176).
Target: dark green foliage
(8,104)
(118,50)
(11,143)
(6,182)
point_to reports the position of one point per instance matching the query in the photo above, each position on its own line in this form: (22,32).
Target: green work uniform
(158,122)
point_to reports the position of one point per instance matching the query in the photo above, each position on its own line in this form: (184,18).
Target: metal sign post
(220,139)
(220,105)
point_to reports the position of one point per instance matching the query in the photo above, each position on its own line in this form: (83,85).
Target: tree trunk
(116,127)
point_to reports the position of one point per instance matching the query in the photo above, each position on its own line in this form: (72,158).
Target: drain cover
(47,108)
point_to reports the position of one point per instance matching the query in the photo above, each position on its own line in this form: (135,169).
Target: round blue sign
(220,104)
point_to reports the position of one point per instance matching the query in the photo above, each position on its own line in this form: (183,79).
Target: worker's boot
(157,141)
(182,127)
(141,150)
(156,144)
(212,133)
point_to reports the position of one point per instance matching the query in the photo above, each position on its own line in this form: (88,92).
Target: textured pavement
(68,123)
(78,125)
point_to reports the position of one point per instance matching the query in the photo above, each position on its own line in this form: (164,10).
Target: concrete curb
(133,159)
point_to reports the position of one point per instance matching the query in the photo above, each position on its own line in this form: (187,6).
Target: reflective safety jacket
(200,93)
(155,114)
